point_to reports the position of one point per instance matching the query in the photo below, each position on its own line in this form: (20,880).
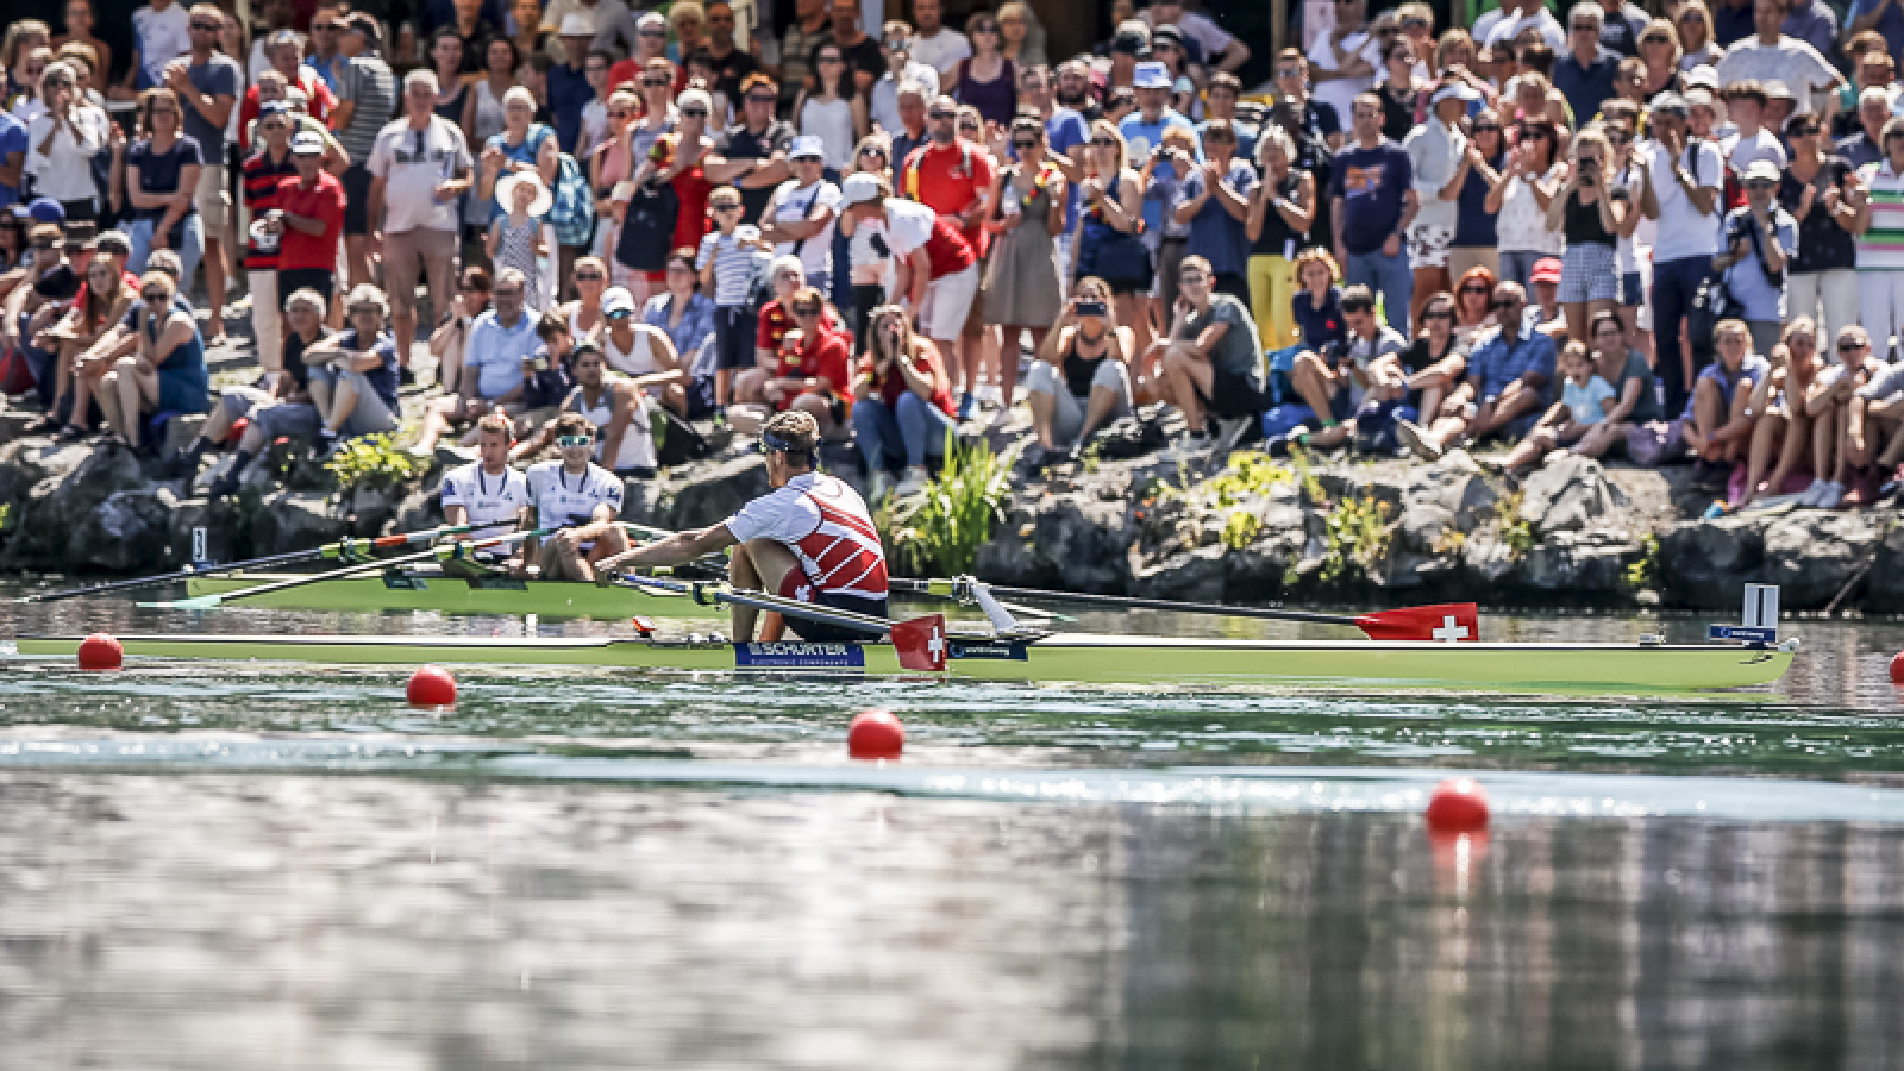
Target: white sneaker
(1188,447)
(1832,496)
(1411,436)
(877,486)
(1809,500)
(914,481)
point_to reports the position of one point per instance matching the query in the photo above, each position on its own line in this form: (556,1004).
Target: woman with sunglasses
(1023,287)
(161,180)
(1473,301)
(832,112)
(1476,241)
(166,373)
(62,143)
(610,164)
(682,313)
(1081,380)
(1697,45)
(681,158)
(1822,280)
(1434,361)
(986,79)
(1591,221)
(1660,52)
(1110,223)
(872,277)
(1519,199)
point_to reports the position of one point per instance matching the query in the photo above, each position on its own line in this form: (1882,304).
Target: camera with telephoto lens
(878,242)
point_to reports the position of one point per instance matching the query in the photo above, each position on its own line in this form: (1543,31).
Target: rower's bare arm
(677,549)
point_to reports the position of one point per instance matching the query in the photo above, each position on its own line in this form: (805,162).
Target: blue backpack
(573,212)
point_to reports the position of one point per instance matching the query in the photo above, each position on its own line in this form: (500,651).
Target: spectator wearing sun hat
(569,91)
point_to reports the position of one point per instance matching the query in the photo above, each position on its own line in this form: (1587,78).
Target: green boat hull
(374,593)
(1071,657)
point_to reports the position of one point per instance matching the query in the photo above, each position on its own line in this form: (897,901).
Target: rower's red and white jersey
(826,525)
(494,501)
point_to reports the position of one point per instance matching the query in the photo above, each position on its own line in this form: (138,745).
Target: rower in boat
(488,495)
(810,538)
(580,497)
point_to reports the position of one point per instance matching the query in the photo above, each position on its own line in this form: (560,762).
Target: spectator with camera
(1339,379)
(1760,239)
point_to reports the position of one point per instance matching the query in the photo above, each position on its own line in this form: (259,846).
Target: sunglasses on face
(872,152)
(1619,137)
(694,113)
(1505,303)
(1289,72)
(1103,143)
(510,292)
(152,298)
(655,83)
(759,98)
(1852,347)
(619,314)
(1024,143)
(1760,184)
(652,33)
(806,310)
(622,114)
(726,207)
(1487,128)
(941,115)
(1198,277)
(570,442)
(208,27)
(1438,314)
(1584,27)
(1805,132)
(589,277)
(969,126)
(830,59)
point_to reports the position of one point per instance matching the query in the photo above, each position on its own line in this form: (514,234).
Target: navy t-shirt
(1371,183)
(1474,225)
(383,378)
(159,171)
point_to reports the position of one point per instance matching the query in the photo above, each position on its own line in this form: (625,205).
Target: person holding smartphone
(902,400)
(1081,379)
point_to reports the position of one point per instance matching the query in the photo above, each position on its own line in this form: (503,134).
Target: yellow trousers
(1272,287)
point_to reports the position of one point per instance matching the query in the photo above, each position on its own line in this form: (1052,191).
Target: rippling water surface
(286,867)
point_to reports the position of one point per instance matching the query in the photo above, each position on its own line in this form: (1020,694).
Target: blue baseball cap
(46,210)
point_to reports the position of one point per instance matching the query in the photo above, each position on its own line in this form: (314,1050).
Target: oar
(347,548)
(1447,622)
(207,602)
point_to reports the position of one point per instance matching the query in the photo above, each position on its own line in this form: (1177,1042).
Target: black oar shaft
(1121,602)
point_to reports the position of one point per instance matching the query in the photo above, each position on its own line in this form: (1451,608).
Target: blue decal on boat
(800,655)
(1746,633)
(1013,651)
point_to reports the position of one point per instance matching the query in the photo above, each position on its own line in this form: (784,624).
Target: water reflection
(219,921)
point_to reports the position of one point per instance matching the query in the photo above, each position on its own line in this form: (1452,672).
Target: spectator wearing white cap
(310,223)
(940,267)
(1878,197)
(614,25)
(1436,149)
(1769,56)
(799,218)
(1760,240)
(419,166)
(569,91)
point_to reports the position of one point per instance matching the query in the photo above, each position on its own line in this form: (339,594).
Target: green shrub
(1357,537)
(938,532)
(371,463)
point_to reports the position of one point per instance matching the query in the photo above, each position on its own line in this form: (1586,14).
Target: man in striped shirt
(1878,198)
(263,170)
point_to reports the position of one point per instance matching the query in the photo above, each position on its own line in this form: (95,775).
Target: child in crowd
(1584,401)
(726,263)
(515,238)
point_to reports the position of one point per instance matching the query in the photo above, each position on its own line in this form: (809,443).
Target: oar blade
(1454,622)
(196,602)
(920,643)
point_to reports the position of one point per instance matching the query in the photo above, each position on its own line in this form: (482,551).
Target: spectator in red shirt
(953,177)
(812,373)
(309,222)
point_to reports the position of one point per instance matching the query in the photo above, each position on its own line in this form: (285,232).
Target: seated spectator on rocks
(451,338)
(1874,430)
(1717,423)
(1828,406)
(100,306)
(1317,305)
(1081,379)
(353,374)
(498,342)
(618,407)
(1212,360)
(813,373)
(166,374)
(1585,402)
(1345,377)
(1436,360)
(1510,379)
(1785,429)
(1760,238)
(902,409)
(1473,295)
(1545,313)
(281,409)
(1636,399)
(634,347)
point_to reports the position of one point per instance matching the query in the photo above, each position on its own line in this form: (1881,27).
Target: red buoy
(1458,805)
(1897,668)
(431,686)
(100,651)
(875,734)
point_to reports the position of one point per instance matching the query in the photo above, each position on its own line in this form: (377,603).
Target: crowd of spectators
(1661,233)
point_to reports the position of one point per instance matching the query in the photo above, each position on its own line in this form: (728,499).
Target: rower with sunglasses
(578,496)
(810,539)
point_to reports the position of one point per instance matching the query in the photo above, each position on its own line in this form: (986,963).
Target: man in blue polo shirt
(1509,385)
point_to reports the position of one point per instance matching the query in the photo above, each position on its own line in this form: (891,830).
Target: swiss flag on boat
(921,643)
(1454,622)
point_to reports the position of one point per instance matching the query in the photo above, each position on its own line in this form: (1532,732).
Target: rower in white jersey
(619,408)
(582,498)
(486,494)
(811,539)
